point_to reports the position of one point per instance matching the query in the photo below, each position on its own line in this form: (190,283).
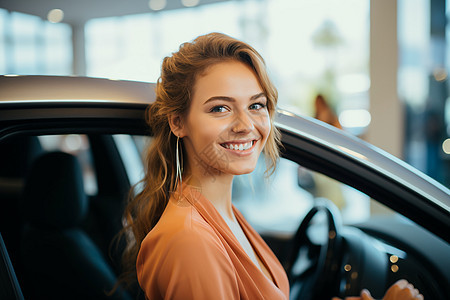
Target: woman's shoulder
(181,226)
(182,250)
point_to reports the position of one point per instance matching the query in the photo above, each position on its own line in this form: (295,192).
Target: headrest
(54,193)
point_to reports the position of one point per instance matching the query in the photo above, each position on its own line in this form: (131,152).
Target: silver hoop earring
(179,161)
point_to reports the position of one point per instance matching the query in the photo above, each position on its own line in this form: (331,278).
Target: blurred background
(378,69)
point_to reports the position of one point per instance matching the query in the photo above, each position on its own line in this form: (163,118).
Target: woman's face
(227,124)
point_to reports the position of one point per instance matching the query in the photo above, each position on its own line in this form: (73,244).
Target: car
(340,214)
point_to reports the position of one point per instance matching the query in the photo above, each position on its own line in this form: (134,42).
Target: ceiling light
(157,4)
(55,15)
(190,3)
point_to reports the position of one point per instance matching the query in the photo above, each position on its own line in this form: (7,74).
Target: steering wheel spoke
(310,267)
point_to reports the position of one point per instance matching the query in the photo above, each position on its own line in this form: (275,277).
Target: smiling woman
(216,103)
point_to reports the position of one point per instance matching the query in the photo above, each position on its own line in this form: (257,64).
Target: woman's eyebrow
(262,94)
(225,98)
(231,99)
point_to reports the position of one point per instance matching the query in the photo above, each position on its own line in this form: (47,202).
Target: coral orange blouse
(192,254)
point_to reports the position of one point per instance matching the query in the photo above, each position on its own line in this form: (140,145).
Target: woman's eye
(218,109)
(257,106)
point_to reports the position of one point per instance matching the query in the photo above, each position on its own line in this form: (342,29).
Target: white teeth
(239,147)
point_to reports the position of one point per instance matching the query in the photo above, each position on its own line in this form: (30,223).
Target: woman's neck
(217,189)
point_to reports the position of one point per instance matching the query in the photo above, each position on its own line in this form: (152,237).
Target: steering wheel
(313,266)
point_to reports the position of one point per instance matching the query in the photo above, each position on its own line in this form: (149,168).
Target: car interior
(57,254)
(62,198)
(59,238)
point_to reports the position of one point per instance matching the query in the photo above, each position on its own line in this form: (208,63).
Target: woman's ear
(176,125)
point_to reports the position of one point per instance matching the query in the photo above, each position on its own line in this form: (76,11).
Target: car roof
(55,88)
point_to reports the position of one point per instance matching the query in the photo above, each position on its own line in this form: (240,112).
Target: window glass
(272,204)
(423,85)
(26,42)
(131,157)
(57,58)
(278,204)
(4,50)
(77,145)
(31,46)
(142,144)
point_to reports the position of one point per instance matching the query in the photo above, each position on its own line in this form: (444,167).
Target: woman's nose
(243,123)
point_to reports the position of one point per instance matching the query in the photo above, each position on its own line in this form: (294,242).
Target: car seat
(60,260)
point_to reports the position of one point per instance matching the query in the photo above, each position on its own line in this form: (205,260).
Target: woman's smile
(240,147)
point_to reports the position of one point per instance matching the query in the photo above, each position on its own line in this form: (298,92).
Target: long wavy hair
(173,97)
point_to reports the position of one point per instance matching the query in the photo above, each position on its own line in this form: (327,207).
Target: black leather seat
(60,260)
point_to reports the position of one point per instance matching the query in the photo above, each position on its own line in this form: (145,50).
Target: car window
(130,152)
(132,149)
(142,142)
(278,204)
(77,145)
(272,204)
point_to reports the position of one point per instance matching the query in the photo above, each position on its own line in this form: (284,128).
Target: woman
(212,118)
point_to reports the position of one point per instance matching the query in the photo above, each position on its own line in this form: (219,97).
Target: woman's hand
(401,290)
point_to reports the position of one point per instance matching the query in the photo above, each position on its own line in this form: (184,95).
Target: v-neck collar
(250,234)
(210,214)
